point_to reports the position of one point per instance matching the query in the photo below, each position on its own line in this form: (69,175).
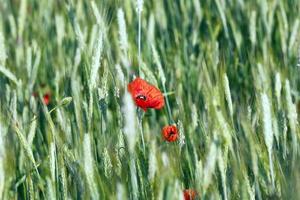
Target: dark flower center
(141,97)
(171,133)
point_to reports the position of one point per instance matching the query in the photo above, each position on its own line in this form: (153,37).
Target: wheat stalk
(268,131)
(89,166)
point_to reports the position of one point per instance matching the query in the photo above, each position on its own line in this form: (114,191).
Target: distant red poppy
(46,97)
(170,133)
(189,194)
(146,95)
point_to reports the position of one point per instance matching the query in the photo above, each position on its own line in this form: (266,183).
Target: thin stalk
(170,119)
(140,117)
(139,44)
(271,170)
(169,93)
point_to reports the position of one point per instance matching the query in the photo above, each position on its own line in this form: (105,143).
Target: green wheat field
(229,71)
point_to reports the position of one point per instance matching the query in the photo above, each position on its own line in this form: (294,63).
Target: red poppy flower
(146,95)
(46,99)
(170,133)
(189,194)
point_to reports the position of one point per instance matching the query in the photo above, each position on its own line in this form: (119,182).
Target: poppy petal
(189,194)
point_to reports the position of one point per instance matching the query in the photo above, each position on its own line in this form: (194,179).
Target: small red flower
(170,133)
(189,194)
(146,95)
(46,99)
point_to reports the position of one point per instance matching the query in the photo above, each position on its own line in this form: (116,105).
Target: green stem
(170,118)
(140,118)
(139,44)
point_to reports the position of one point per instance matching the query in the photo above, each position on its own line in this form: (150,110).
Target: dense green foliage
(229,70)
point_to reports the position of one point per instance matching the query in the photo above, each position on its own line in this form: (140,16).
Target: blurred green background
(228,68)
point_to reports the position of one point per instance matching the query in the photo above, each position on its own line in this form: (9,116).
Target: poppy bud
(65,101)
(170,133)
